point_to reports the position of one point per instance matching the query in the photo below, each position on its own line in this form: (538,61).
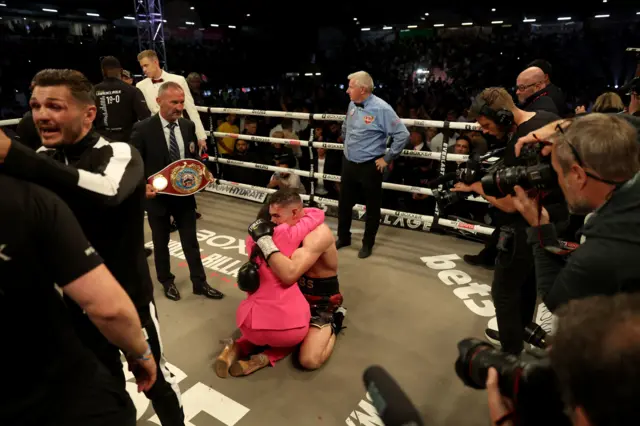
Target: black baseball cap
(126,73)
(110,63)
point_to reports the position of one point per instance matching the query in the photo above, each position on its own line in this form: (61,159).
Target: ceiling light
(189,23)
(466,24)
(131,18)
(214,25)
(493,10)
(438,25)
(412,26)
(355,19)
(3,5)
(248,15)
(233,27)
(97,15)
(529,20)
(387,28)
(564,18)
(50,10)
(365,29)
(602,16)
(318,73)
(426,14)
(422,17)
(164,20)
(308,74)
(192,8)
(497,22)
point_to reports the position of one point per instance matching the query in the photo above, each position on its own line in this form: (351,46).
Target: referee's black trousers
(165,394)
(356,179)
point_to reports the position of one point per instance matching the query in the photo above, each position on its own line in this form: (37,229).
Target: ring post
(446,132)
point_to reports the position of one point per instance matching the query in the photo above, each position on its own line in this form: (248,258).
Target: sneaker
(492,336)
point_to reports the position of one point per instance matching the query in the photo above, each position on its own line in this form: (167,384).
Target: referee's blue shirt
(366,129)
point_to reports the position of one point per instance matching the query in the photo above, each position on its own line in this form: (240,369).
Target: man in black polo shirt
(104,185)
(53,379)
(514,287)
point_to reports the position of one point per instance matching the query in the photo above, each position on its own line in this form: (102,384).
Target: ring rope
(333,178)
(336,146)
(334,117)
(428,220)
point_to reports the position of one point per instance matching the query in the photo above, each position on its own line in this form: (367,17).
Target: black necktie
(359,105)
(174,150)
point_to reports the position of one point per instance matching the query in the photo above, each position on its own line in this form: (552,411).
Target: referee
(369,124)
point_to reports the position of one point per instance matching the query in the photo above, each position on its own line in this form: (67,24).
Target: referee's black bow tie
(160,80)
(359,105)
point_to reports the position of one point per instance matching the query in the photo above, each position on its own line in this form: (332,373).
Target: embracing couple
(293,296)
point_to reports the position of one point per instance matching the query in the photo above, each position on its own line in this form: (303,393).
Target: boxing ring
(408,306)
(428,222)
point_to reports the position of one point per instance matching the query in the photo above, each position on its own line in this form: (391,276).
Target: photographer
(594,357)
(596,158)
(514,288)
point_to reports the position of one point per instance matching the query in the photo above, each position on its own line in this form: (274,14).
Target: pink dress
(277,315)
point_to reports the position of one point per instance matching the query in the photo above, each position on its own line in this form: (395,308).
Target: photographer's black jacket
(104,185)
(605,264)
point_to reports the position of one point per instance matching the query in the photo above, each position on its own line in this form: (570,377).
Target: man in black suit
(162,139)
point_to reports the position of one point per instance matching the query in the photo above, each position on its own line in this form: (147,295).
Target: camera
(528,380)
(472,171)
(536,173)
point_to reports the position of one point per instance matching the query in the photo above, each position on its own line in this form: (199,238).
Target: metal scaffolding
(150,25)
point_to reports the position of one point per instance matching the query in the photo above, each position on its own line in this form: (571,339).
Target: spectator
(608,102)
(554,92)
(227,143)
(531,91)
(281,180)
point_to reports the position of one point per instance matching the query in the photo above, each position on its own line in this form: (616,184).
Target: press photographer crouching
(590,376)
(514,288)
(597,160)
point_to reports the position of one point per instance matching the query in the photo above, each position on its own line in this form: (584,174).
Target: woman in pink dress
(275,315)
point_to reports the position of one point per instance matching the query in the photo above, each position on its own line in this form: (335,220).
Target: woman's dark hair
(264,212)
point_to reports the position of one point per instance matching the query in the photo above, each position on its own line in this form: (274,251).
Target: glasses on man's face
(574,151)
(523,87)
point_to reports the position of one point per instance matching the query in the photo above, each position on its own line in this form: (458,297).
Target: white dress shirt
(150,92)
(167,135)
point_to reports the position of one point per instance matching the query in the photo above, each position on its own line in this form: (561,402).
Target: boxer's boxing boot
(244,368)
(227,358)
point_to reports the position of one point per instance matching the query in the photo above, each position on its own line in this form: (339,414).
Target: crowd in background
(426,75)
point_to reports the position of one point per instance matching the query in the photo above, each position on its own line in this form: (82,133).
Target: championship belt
(181,178)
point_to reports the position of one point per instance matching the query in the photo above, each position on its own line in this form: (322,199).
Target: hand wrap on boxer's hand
(261,232)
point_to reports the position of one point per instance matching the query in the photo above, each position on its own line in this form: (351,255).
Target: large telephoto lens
(501,183)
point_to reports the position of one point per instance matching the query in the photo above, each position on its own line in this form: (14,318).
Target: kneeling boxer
(274,314)
(315,265)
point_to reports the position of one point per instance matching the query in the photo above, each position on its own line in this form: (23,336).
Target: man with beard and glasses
(596,157)
(103,184)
